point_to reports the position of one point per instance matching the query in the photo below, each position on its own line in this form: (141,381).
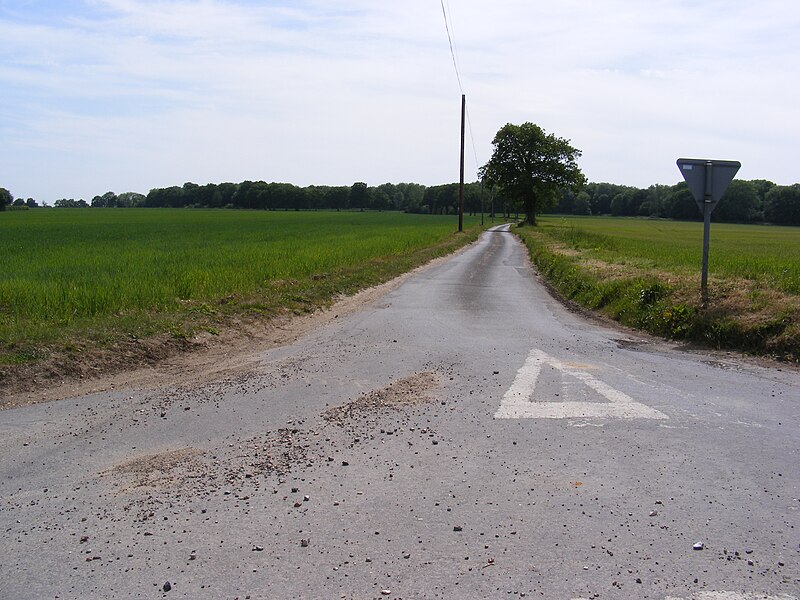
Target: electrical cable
(472,140)
(453,54)
(452,51)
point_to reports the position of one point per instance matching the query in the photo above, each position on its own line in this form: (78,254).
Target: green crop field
(98,274)
(765,254)
(646,273)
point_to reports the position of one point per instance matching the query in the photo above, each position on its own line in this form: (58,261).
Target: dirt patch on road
(409,391)
(163,469)
(275,452)
(242,466)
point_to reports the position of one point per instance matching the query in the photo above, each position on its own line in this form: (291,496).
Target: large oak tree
(532,167)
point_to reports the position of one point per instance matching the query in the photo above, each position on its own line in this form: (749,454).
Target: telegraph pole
(481,202)
(461,180)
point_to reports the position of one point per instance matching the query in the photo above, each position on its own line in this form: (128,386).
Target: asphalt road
(465,436)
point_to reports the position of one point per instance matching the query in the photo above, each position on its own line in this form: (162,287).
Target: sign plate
(708,179)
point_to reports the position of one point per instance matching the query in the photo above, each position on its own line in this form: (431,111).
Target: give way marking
(518,402)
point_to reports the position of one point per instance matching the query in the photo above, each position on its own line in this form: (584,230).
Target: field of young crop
(646,273)
(98,274)
(760,253)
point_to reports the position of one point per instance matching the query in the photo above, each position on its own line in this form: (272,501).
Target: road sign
(708,179)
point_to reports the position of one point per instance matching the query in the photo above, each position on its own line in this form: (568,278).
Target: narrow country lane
(465,436)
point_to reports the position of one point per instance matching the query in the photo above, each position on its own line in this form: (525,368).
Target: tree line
(755,201)
(408,197)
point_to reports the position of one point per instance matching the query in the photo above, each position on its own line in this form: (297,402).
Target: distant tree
(474,195)
(153,198)
(70,203)
(337,197)
(656,197)
(582,204)
(107,200)
(18,202)
(226,192)
(240,197)
(762,187)
(680,204)
(173,197)
(782,205)
(295,197)
(531,166)
(130,200)
(204,195)
(601,204)
(566,204)
(379,198)
(31,203)
(441,199)
(259,194)
(447,199)
(190,194)
(359,195)
(5,198)
(618,205)
(636,200)
(386,197)
(411,195)
(739,204)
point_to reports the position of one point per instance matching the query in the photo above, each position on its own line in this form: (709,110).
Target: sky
(129,95)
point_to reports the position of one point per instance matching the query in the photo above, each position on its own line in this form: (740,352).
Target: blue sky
(127,95)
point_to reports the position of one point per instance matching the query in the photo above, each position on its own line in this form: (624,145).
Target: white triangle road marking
(517,402)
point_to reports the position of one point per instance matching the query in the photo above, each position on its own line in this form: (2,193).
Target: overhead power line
(472,140)
(454,55)
(452,50)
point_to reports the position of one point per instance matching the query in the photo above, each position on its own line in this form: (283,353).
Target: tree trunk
(530,211)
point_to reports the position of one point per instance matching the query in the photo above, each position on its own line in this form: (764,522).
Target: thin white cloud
(133,94)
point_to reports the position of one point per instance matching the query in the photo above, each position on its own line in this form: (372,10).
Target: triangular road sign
(708,179)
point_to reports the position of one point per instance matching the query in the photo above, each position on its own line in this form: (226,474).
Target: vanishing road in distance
(464,436)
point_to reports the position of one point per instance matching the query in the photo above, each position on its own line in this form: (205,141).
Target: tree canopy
(6,198)
(754,201)
(532,167)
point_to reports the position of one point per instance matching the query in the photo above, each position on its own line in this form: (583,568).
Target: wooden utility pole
(461,180)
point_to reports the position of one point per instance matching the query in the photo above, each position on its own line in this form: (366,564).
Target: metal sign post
(707,180)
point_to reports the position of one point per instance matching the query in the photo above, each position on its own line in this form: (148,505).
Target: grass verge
(645,275)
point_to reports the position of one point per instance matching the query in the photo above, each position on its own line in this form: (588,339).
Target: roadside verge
(667,304)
